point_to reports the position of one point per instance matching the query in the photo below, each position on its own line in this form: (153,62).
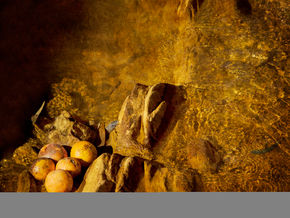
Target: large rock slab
(158,178)
(95,179)
(129,174)
(148,119)
(142,118)
(116,173)
(113,167)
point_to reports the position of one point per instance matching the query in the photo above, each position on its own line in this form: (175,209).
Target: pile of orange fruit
(57,170)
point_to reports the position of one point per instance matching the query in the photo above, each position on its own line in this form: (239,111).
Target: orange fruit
(53,151)
(85,152)
(70,164)
(41,167)
(58,181)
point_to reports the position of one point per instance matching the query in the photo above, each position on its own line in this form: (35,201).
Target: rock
(62,130)
(187,181)
(83,131)
(25,154)
(158,178)
(150,128)
(231,56)
(138,175)
(63,123)
(129,174)
(26,182)
(55,137)
(69,129)
(185,6)
(95,179)
(140,119)
(153,112)
(113,167)
(9,173)
(124,139)
(202,155)
(102,133)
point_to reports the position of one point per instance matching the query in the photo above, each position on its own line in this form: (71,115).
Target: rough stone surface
(25,154)
(130,124)
(66,129)
(158,178)
(102,133)
(129,174)
(141,117)
(113,167)
(116,173)
(62,131)
(202,155)
(139,120)
(26,183)
(95,179)
(9,173)
(231,58)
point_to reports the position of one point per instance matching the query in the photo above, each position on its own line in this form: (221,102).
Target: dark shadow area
(104,149)
(196,4)
(135,174)
(194,7)
(32,33)
(174,97)
(244,7)
(154,167)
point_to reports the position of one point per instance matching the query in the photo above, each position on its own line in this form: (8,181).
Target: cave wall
(89,54)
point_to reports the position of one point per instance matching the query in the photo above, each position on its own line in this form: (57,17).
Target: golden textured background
(232,57)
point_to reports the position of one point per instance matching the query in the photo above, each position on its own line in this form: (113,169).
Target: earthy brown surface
(95,179)
(130,174)
(230,59)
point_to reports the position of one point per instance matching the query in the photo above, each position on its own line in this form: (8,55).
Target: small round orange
(70,164)
(85,152)
(41,167)
(58,181)
(53,151)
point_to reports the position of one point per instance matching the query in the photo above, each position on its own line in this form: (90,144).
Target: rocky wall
(230,59)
